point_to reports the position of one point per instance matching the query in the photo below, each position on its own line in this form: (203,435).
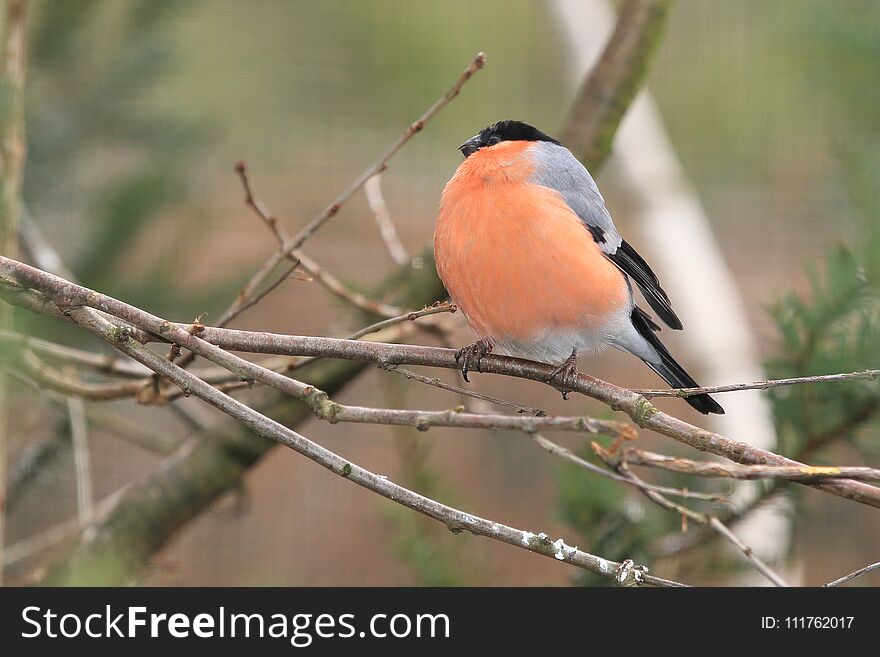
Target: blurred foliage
(102,164)
(836,328)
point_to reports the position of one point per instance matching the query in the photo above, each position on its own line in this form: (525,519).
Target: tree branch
(558,450)
(853,575)
(79,435)
(642,412)
(433,309)
(325,278)
(263,426)
(615,80)
(249,294)
(708,520)
(870,375)
(437,383)
(387,229)
(801,474)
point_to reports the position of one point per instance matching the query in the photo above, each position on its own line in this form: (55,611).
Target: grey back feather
(558,169)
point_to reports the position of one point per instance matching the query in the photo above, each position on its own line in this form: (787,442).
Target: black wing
(632,264)
(668,368)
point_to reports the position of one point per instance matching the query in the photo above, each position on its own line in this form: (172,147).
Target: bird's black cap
(503,131)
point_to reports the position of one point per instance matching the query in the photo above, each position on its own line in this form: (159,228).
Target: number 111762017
(808,622)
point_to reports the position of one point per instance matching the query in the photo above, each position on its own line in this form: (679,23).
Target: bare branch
(104,363)
(72,385)
(558,450)
(108,363)
(439,307)
(437,383)
(615,80)
(686,513)
(454,519)
(457,417)
(761,385)
(257,205)
(854,574)
(300,259)
(249,295)
(339,289)
(79,433)
(802,474)
(637,407)
(387,229)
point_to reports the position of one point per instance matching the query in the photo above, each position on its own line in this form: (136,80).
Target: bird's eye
(494,139)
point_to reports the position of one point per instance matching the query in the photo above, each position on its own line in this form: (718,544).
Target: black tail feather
(669,369)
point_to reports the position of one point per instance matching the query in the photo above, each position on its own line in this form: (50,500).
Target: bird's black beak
(471,146)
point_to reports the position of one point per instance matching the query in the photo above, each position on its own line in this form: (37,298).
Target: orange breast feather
(513,255)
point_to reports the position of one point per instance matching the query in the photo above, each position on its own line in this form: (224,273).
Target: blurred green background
(138,110)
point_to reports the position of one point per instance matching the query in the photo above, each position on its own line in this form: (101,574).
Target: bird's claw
(471,357)
(565,376)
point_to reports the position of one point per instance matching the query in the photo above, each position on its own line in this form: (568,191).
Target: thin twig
(759,563)
(437,383)
(300,259)
(558,450)
(71,385)
(437,308)
(854,574)
(48,538)
(79,433)
(457,417)
(249,295)
(107,363)
(257,205)
(701,518)
(760,385)
(800,474)
(339,289)
(387,229)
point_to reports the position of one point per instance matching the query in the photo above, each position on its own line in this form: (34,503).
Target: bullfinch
(527,250)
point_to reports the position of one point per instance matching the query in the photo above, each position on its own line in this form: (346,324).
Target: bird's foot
(565,376)
(470,357)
